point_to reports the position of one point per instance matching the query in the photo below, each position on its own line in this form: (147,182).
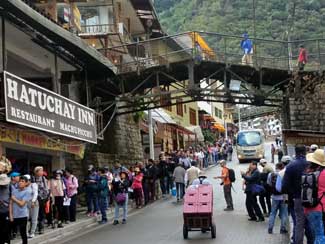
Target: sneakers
(30,236)
(260,220)
(270,231)
(89,215)
(60,225)
(123,221)
(252,219)
(104,221)
(283,231)
(115,222)
(229,209)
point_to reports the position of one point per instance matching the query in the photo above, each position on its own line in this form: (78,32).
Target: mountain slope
(303,19)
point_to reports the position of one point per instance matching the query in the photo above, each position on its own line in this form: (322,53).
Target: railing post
(319,56)
(225,43)
(137,55)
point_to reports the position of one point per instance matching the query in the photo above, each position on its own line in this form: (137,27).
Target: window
(185,108)
(179,107)
(192,116)
(165,101)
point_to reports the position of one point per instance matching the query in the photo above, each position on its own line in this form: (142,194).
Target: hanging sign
(36,107)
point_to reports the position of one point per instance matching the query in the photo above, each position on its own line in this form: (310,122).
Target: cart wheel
(213,231)
(185,232)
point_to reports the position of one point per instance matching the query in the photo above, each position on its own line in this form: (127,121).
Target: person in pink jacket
(137,187)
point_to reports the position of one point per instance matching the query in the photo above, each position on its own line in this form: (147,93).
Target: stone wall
(306,99)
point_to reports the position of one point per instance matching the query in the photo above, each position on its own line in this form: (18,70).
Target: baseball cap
(14,174)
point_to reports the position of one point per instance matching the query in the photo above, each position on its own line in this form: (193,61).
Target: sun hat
(263,161)
(14,174)
(28,177)
(313,147)
(317,157)
(286,158)
(4,180)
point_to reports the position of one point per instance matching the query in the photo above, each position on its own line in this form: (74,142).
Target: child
(18,210)
(103,194)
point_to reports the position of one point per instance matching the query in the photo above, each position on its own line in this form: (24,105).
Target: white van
(250,145)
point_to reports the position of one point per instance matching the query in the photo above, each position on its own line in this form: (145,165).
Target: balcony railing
(97,29)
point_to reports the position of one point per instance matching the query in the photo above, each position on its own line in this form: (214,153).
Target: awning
(161,116)
(197,130)
(196,37)
(218,127)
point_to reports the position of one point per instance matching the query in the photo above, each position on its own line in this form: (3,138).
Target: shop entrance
(25,162)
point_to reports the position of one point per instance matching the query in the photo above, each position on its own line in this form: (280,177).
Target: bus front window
(249,139)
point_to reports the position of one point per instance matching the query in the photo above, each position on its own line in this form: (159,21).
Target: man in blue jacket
(291,184)
(247,47)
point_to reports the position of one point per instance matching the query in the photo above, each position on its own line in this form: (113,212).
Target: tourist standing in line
(72,185)
(291,184)
(91,183)
(179,178)
(272,153)
(18,208)
(33,206)
(137,187)
(103,192)
(120,192)
(4,208)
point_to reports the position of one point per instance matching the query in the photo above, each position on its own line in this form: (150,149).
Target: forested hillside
(303,19)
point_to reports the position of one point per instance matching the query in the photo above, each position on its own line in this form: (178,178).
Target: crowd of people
(35,199)
(295,188)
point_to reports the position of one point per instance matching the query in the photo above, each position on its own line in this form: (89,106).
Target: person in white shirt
(192,173)
(33,206)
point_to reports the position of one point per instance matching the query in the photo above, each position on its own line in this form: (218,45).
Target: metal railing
(271,54)
(97,29)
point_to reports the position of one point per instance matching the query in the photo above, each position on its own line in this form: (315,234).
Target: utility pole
(254,16)
(151,135)
(239,125)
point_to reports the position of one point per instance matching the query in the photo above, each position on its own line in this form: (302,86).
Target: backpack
(309,189)
(272,188)
(232,176)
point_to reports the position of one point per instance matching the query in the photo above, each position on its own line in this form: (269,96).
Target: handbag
(67,201)
(120,198)
(258,189)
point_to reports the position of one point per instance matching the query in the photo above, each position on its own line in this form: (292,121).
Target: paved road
(161,223)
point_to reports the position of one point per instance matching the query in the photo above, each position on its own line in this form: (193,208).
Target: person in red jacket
(302,58)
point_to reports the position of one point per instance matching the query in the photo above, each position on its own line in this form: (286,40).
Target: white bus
(250,145)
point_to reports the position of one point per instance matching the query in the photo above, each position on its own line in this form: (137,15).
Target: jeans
(124,207)
(41,214)
(278,205)
(315,220)
(252,207)
(138,196)
(302,226)
(58,203)
(4,228)
(180,188)
(21,223)
(103,207)
(291,212)
(146,194)
(73,208)
(92,202)
(228,197)
(33,214)
(216,158)
(164,185)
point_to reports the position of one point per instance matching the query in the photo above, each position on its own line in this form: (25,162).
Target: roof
(91,58)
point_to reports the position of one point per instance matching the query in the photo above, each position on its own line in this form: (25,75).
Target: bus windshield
(249,138)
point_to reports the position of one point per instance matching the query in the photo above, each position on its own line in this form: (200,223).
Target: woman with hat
(315,215)
(120,192)
(4,208)
(58,192)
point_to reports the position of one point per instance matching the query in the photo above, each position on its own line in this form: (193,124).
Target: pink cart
(198,210)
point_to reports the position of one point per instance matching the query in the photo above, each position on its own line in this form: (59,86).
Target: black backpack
(309,189)
(272,188)
(232,176)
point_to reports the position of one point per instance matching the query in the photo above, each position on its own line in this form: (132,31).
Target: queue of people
(295,190)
